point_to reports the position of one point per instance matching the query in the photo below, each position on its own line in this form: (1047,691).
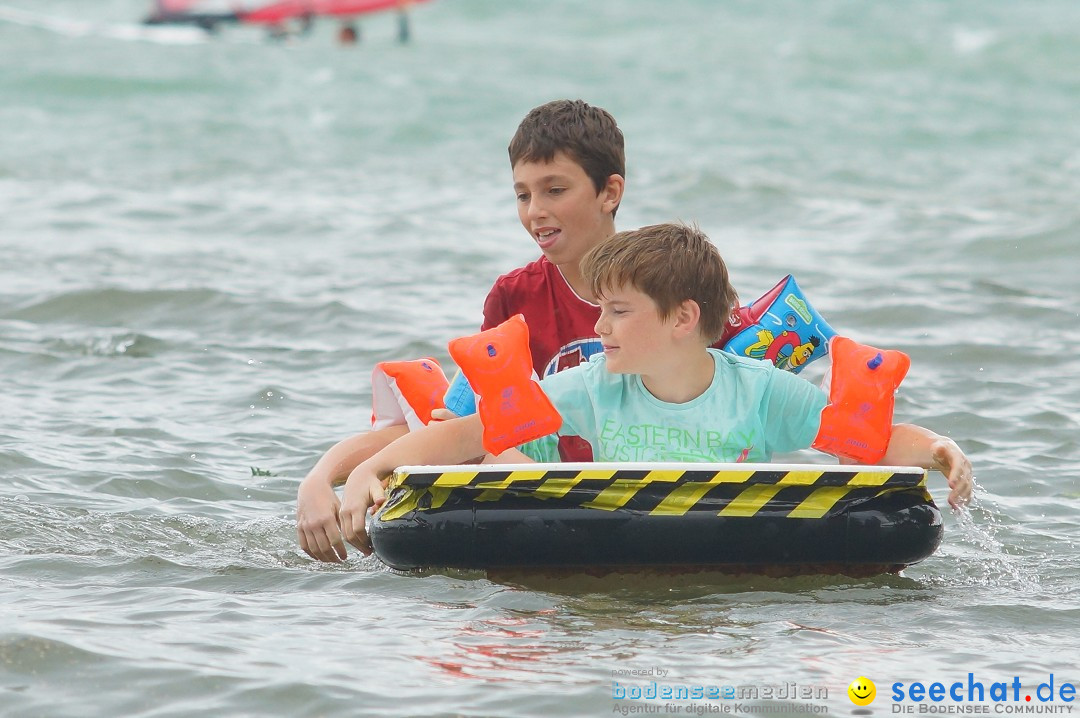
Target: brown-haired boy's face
(636,338)
(560,209)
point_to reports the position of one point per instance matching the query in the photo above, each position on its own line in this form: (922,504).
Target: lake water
(205,245)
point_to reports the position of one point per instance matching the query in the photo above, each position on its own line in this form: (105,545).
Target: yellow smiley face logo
(862,691)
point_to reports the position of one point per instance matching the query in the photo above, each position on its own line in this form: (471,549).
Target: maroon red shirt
(561,324)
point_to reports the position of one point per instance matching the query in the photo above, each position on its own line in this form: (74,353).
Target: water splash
(983,558)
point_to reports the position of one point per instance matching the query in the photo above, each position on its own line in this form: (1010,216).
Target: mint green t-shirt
(750,411)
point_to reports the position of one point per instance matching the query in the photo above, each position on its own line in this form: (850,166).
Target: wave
(128,32)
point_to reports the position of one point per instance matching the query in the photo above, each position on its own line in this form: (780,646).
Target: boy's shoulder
(587,384)
(541,278)
(741,363)
(591,372)
(760,373)
(537,270)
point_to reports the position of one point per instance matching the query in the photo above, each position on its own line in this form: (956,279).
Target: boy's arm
(447,442)
(913,445)
(317,504)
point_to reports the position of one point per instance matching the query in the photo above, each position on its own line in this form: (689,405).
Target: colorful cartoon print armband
(781,327)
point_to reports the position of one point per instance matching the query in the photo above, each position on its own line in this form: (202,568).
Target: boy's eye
(522,197)
(556,190)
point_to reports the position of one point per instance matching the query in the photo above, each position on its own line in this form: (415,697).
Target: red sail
(169,7)
(283,10)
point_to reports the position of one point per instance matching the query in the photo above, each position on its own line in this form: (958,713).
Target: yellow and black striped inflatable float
(768,517)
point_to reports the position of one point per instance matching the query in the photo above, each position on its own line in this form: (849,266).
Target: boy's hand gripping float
(857,423)
(512,406)
(405,392)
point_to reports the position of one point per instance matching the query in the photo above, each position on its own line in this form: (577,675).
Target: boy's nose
(537,209)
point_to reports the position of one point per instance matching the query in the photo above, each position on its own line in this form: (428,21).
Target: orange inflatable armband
(405,392)
(857,423)
(512,406)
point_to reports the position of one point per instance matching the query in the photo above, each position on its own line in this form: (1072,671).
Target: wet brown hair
(670,263)
(588,135)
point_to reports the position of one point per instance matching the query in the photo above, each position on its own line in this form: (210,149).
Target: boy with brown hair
(659,392)
(568,163)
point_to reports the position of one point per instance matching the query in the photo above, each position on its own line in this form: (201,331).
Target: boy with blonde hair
(658,392)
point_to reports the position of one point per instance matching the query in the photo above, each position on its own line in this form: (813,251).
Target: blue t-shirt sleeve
(568,392)
(792,412)
(545,449)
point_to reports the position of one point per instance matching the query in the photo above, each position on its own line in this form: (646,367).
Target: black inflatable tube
(880,533)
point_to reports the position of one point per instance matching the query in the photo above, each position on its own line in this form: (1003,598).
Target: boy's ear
(612,192)
(687,316)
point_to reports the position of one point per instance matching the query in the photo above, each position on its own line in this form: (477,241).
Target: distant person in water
(277,32)
(404,33)
(307,23)
(348,34)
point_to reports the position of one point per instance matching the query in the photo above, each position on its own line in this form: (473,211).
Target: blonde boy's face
(561,210)
(636,340)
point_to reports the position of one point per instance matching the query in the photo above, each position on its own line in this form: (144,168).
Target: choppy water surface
(206,245)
